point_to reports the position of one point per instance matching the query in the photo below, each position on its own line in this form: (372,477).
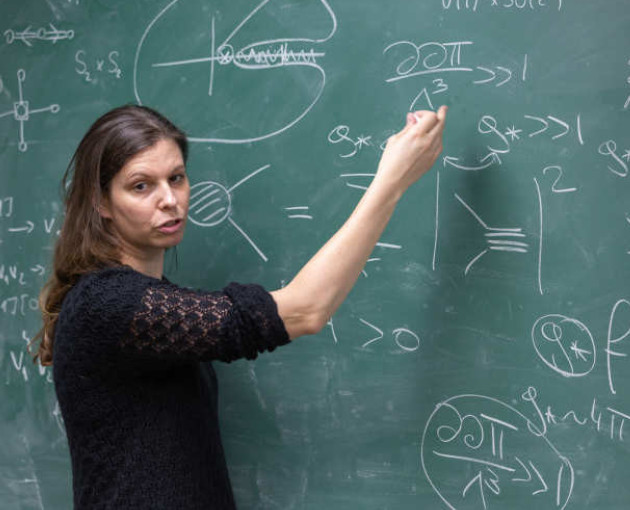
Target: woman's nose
(167,197)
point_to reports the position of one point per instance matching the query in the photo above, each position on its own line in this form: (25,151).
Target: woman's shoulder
(116,276)
(107,288)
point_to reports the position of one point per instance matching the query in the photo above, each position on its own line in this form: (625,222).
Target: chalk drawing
(262,66)
(22,111)
(211,205)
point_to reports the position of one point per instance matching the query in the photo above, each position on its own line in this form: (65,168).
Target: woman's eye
(177,178)
(141,186)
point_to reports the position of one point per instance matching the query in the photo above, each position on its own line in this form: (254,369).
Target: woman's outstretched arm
(312,297)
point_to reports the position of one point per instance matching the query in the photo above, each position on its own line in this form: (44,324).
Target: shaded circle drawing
(564,344)
(210,204)
(479,452)
(224,79)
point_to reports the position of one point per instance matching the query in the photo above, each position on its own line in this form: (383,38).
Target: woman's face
(147,202)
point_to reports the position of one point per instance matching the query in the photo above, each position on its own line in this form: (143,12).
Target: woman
(140,410)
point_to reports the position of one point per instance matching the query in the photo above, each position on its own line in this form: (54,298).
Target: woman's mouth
(170,227)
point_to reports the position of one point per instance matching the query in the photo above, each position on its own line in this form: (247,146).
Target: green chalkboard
(481,361)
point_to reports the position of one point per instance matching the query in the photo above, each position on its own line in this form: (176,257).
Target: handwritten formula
(482,359)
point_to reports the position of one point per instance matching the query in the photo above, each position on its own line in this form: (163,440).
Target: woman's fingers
(438,128)
(426,122)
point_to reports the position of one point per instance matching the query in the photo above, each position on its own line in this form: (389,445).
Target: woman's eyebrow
(136,174)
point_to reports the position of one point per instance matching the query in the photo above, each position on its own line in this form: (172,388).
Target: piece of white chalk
(417,118)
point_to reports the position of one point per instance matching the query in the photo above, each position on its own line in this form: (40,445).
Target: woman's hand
(313,296)
(410,153)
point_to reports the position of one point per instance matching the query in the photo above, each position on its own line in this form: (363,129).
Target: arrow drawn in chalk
(28,228)
(493,75)
(486,162)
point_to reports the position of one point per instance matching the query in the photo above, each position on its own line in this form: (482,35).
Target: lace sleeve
(175,322)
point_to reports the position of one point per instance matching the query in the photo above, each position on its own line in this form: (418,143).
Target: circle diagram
(479,452)
(230,74)
(210,204)
(565,345)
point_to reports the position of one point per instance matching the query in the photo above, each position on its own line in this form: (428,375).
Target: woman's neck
(148,265)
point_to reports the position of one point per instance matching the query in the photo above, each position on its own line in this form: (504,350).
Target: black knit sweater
(140,409)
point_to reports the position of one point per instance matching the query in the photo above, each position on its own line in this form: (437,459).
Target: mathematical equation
(473,5)
(487,448)
(341,135)
(405,339)
(14,274)
(610,420)
(502,138)
(417,60)
(20,362)
(89,71)
(19,305)
(566,345)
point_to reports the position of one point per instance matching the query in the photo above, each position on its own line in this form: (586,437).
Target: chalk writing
(540,237)
(298,213)
(437,220)
(427,58)
(340,134)
(27,35)
(504,137)
(361,176)
(22,111)
(439,86)
(619,167)
(10,273)
(19,305)
(19,361)
(565,345)
(28,227)
(606,419)
(211,204)
(627,103)
(266,54)
(612,340)
(517,5)
(404,338)
(88,72)
(554,187)
(331,325)
(486,448)
(353,145)
(6,207)
(430,58)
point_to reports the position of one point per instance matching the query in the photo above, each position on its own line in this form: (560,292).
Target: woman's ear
(104,209)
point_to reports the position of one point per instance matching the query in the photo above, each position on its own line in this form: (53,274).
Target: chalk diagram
(564,344)
(493,453)
(234,84)
(22,111)
(494,237)
(42,34)
(211,205)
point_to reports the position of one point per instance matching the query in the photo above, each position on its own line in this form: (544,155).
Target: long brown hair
(85,243)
